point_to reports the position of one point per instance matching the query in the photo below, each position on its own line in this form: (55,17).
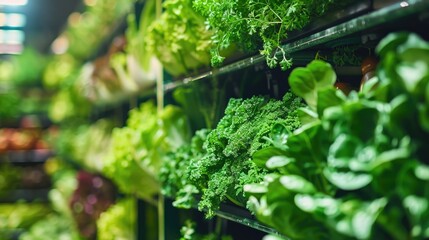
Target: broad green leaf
(412,73)
(363,120)
(333,113)
(303,84)
(364,219)
(328,97)
(408,183)
(403,117)
(389,156)
(294,223)
(318,204)
(279,134)
(413,42)
(416,205)
(261,157)
(278,162)
(391,42)
(306,115)
(306,82)
(422,172)
(277,192)
(369,86)
(306,202)
(297,184)
(323,73)
(255,189)
(347,180)
(342,150)
(271,177)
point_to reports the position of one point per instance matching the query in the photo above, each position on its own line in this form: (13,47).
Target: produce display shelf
(28,195)
(34,156)
(378,17)
(243,216)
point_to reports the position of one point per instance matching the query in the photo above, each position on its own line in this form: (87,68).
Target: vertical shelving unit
(363,24)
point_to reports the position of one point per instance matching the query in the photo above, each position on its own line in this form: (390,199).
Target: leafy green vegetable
(101,17)
(364,155)
(85,144)
(177,168)
(136,32)
(226,165)
(118,222)
(179,38)
(203,103)
(21,214)
(52,227)
(306,82)
(139,149)
(256,24)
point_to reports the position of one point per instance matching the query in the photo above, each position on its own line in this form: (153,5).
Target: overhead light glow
(13,2)
(12,20)
(11,36)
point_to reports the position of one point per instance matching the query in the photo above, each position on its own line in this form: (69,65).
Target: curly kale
(226,166)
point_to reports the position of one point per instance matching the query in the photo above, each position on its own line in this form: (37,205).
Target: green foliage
(9,102)
(364,155)
(179,38)
(10,177)
(346,55)
(203,103)
(177,168)
(85,144)
(256,24)
(28,68)
(136,34)
(226,165)
(21,215)
(307,82)
(118,222)
(52,227)
(139,148)
(68,104)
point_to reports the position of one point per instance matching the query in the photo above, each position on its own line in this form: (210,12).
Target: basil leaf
(261,157)
(278,162)
(297,184)
(347,180)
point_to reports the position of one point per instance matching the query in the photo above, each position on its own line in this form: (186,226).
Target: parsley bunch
(253,24)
